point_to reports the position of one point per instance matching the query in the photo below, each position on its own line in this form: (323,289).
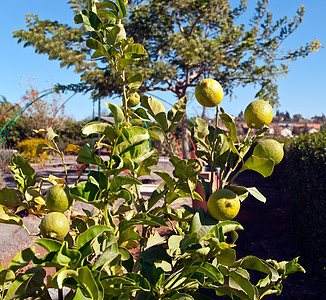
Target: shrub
(305,167)
(5,156)
(27,148)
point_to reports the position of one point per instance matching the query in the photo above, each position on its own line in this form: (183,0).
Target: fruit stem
(124,99)
(212,154)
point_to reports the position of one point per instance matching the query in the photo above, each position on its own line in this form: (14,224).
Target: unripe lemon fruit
(54,225)
(258,113)
(57,199)
(209,92)
(270,149)
(133,99)
(223,205)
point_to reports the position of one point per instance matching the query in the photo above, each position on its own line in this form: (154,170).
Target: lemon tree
(57,199)
(54,225)
(258,113)
(93,251)
(223,205)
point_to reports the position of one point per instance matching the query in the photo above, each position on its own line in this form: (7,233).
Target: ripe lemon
(133,99)
(209,92)
(269,149)
(223,205)
(258,113)
(57,199)
(54,225)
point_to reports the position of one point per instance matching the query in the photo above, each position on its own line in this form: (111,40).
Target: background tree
(186,40)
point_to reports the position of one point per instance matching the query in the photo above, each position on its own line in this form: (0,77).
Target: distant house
(286,132)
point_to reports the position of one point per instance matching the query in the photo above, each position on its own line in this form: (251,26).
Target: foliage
(305,170)
(118,250)
(27,148)
(185,41)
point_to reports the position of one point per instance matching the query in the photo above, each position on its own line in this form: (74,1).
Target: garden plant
(127,246)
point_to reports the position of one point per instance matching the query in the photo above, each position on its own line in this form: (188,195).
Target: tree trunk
(185,140)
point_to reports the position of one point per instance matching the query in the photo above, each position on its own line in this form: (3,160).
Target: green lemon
(209,92)
(258,113)
(57,199)
(269,148)
(133,99)
(223,205)
(54,225)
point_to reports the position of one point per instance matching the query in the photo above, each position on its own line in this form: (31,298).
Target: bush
(27,148)
(305,167)
(5,156)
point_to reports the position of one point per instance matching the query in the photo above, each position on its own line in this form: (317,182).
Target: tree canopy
(185,40)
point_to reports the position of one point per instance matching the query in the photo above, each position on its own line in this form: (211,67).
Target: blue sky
(301,92)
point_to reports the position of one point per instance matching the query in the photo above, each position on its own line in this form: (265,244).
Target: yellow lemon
(258,113)
(270,148)
(209,92)
(223,205)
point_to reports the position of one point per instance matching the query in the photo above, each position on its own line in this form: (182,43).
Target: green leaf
(181,296)
(7,217)
(122,8)
(119,181)
(88,192)
(167,178)
(241,191)
(176,113)
(156,109)
(109,4)
(226,257)
(254,263)
(135,82)
(201,132)
(63,274)
(41,148)
(212,272)
(9,198)
(264,166)
(90,20)
(18,287)
(68,257)
(49,245)
(124,62)
(129,234)
(156,133)
(116,111)
(142,219)
(139,114)
(86,156)
(6,276)
(97,45)
(90,234)
(155,239)
(23,173)
(255,193)
(229,123)
(136,49)
(140,281)
(22,259)
(187,168)
(86,278)
(238,281)
(99,127)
